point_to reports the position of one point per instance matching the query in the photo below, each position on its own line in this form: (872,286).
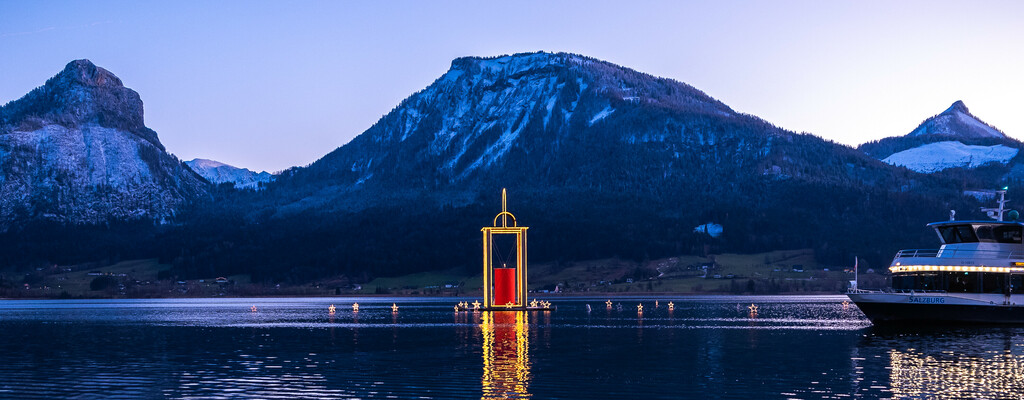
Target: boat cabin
(975,257)
(955,232)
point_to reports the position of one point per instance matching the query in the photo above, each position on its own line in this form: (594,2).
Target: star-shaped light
(331,309)
(253,308)
(608,303)
(671,306)
(476,305)
(355,307)
(394,307)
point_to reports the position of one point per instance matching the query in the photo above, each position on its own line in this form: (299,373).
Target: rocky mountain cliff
(76,150)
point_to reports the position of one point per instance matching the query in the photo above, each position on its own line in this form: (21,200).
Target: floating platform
(470,308)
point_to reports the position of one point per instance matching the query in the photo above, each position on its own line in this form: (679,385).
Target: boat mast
(997,213)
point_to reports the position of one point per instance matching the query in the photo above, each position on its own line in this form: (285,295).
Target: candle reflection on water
(505,355)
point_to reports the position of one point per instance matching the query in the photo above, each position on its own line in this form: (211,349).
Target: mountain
(952,139)
(599,160)
(537,121)
(217,172)
(958,122)
(76,151)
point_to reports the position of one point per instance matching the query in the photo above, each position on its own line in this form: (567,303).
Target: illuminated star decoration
(476,305)
(331,309)
(753,308)
(671,306)
(846,304)
(608,303)
(394,307)
(253,308)
(533,303)
(640,308)
(355,307)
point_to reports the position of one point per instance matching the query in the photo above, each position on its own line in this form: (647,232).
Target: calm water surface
(707,347)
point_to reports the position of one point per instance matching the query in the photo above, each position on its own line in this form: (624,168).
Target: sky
(270,85)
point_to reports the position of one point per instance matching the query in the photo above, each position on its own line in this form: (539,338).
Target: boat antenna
(997,213)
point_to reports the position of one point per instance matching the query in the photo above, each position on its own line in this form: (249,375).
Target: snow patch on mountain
(218,172)
(981,195)
(712,229)
(600,115)
(938,156)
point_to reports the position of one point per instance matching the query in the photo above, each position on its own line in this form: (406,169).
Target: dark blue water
(707,347)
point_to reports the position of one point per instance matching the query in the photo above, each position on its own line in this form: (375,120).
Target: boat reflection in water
(506,355)
(958,372)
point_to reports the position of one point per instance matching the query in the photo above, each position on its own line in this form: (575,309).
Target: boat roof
(976,222)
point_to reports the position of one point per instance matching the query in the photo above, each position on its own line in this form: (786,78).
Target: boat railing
(960,253)
(911,291)
(891,290)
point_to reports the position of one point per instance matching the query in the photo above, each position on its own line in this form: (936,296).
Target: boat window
(1017,284)
(1007,234)
(993,283)
(985,233)
(904,282)
(959,282)
(957,234)
(962,282)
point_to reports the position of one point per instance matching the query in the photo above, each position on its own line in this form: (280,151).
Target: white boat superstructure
(977,275)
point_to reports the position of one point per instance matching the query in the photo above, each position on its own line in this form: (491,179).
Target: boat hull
(886,308)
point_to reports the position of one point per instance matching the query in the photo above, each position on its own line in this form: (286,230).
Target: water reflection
(797,347)
(985,370)
(506,356)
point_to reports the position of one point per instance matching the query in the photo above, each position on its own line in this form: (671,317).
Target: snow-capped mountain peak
(954,138)
(484,111)
(218,172)
(957,121)
(957,107)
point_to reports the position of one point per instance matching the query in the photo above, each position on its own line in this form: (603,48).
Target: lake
(800,347)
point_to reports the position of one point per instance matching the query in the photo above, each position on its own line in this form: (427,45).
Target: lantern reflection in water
(506,355)
(996,375)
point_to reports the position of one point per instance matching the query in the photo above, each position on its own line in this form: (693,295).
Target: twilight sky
(268,85)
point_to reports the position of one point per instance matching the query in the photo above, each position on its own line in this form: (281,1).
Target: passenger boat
(974,277)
